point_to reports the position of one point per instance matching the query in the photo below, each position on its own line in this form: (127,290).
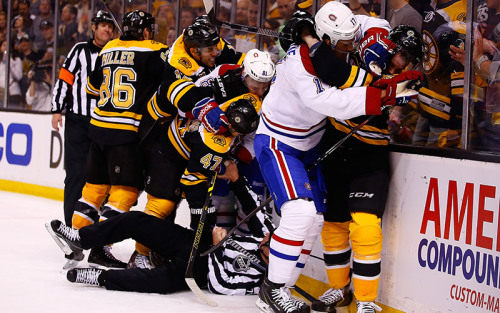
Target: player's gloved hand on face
(301,21)
(211,116)
(400,89)
(228,85)
(376,50)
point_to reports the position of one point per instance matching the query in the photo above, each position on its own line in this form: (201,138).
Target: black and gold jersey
(127,74)
(203,150)
(178,93)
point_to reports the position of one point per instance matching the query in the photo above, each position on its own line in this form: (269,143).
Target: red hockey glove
(400,89)
(376,50)
(211,116)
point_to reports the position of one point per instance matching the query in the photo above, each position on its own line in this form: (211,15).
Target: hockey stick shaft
(113,17)
(268,200)
(209,8)
(189,276)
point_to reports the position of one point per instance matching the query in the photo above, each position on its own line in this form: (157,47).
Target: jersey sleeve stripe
(177,90)
(113,125)
(127,114)
(91,89)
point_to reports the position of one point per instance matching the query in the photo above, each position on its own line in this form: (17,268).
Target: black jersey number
(118,85)
(208,159)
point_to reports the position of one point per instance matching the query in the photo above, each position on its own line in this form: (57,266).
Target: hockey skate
(67,238)
(138,260)
(88,276)
(274,298)
(367,307)
(101,257)
(331,299)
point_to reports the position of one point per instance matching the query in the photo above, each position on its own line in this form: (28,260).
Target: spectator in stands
(165,20)
(187,17)
(16,73)
(17,31)
(48,35)
(171,37)
(24,12)
(39,94)
(3,25)
(402,13)
(285,8)
(68,29)
(45,15)
(29,58)
(242,12)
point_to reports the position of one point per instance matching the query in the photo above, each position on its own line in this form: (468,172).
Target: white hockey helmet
(259,66)
(336,21)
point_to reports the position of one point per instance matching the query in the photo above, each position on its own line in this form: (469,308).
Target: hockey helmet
(103,17)
(259,66)
(201,35)
(447,39)
(335,21)
(135,22)
(408,40)
(242,116)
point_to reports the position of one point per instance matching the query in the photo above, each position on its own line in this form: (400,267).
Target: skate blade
(103,267)
(63,245)
(70,264)
(264,307)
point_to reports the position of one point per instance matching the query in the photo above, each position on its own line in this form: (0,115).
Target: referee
(69,94)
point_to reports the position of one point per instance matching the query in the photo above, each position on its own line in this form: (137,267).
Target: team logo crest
(185,62)
(195,124)
(250,98)
(308,186)
(219,140)
(332,17)
(241,263)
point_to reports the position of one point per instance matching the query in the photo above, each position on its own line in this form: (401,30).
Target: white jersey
(298,102)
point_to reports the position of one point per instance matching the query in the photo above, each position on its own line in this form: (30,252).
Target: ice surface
(31,279)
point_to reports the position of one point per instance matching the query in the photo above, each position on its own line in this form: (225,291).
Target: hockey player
(286,143)
(70,95)
(194,54)
(128,71)
(174,243)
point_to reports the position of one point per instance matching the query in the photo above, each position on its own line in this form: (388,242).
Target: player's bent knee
(297,217)
(366,234)
(161,208)
(335,236)
(122,197)
(95,194)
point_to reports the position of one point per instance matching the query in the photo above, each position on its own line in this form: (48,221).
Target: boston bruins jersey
(178,93)
(127,74)
(440,100)
(203,150)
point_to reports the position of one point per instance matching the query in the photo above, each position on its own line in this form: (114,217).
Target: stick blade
(199,293)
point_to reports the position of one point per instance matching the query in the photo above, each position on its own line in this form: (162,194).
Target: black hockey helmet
(242,116)
(409,41)
(203,19)
(447,39)
(134,23)
(200,35)
(103,17)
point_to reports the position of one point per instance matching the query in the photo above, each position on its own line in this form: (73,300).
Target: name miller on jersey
(118,57)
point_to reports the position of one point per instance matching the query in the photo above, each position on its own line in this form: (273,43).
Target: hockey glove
(229,85)
(400,89)
(211,116)
(300,21)
(376,50)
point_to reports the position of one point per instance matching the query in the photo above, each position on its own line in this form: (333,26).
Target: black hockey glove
(300,21)
(228,86)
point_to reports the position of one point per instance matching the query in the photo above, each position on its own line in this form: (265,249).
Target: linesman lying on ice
(237,268)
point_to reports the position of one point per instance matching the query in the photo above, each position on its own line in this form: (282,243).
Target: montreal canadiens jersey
(298,102)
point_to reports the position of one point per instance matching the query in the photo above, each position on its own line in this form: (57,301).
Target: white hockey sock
(297,217)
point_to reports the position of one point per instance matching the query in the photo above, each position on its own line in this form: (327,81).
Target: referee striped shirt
(231,272)
(69,91)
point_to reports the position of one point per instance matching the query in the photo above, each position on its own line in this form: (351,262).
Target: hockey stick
(268,200)
(209,8)
(194,250)
(112,16)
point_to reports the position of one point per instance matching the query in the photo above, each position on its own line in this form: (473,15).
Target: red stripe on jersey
(282,165)
(288,242)
(289,128)
(226,67)
(306,252)
(373,103)
(306,60)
